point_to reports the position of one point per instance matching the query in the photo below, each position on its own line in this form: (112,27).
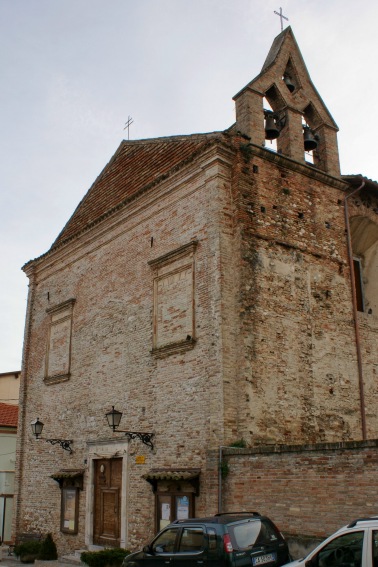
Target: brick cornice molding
(61,306)
(307,170)
(310,447)
(174,348)
(173,255)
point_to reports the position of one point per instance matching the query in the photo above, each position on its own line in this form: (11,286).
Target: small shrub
(225,469)
(48,549)
(240,443)
(27,551)
(112,556)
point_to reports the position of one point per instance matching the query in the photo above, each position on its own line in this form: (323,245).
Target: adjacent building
(220,290)
(9,388)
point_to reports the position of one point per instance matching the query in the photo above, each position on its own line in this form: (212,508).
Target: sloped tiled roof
(8,415)
(135,166)
(172,474)
(358,178)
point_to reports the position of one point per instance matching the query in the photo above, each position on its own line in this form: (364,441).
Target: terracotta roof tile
(8,415)
(135,166)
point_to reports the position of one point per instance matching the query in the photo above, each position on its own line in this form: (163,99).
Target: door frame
(117,449)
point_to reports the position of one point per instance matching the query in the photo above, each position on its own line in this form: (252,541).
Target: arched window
(364,233)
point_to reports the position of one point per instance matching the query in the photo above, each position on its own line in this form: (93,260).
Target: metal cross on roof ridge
(282,17)
(127,126)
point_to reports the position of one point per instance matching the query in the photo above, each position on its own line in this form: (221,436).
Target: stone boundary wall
(307,490)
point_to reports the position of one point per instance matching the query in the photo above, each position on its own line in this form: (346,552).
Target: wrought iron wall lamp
(114,419)
(37,427)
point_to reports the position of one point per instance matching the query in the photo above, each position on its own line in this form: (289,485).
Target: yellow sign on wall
(140,459)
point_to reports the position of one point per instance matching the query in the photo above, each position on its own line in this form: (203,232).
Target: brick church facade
(218,290)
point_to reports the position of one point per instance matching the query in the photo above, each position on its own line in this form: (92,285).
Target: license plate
(262,559)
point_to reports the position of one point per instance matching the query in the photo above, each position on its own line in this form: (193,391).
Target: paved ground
(12,561)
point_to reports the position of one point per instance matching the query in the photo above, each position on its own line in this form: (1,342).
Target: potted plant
(27,551)
(48,551)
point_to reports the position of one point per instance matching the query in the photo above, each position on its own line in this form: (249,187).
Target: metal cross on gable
(282,17)
(127,126)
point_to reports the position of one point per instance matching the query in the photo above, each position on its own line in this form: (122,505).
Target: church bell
(290,85)
(271,129)
(309,140)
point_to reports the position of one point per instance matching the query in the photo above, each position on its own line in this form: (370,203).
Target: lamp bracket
(146,438)
(64,443)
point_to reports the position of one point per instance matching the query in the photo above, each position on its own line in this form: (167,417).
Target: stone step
(72,559)
(61,562)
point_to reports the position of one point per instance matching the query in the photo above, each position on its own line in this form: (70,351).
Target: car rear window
(248,534)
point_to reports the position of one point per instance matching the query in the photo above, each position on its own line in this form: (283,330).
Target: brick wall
(179,397)
(309,490)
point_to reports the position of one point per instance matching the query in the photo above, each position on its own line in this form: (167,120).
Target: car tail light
(227,544)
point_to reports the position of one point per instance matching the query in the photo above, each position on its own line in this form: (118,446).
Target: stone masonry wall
(298,361)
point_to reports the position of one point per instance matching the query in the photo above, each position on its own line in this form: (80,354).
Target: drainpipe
(355,316)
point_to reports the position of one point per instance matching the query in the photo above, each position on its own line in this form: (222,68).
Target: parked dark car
(226,540)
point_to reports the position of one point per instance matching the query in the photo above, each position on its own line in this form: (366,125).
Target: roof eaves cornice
(358,178)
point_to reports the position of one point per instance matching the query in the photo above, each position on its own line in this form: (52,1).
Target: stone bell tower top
(298,117)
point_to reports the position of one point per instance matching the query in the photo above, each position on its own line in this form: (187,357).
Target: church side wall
(368,326)
(363,207)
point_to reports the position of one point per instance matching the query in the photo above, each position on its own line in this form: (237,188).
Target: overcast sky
(72,71)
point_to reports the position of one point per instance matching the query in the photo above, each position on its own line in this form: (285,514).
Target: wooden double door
(107,502)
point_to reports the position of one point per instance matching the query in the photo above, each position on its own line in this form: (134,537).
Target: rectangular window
(375,548)
(357,268)
(6,513)
(6,482)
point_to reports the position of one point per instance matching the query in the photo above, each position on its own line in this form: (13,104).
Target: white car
(355,545)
